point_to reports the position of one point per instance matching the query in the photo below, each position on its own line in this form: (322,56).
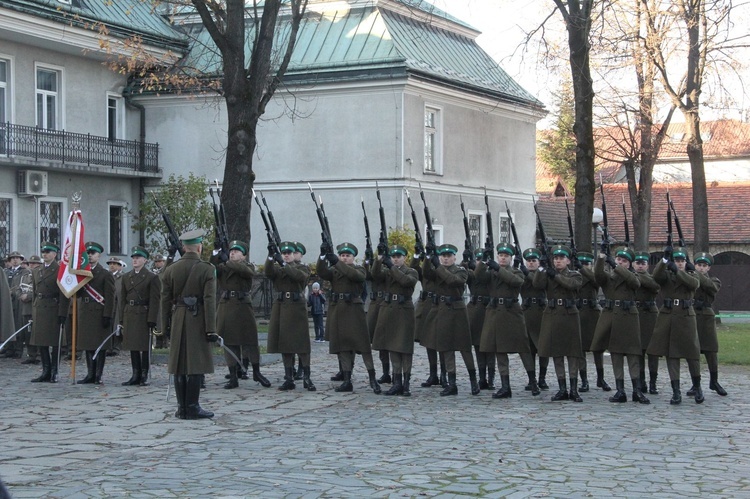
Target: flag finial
(76,197)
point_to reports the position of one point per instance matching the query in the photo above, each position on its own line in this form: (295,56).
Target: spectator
(316,301)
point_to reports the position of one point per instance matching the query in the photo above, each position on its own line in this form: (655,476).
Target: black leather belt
(423,295)
(135,303)
(624,304)
(47,295)
(341,296)
(445,299)
(645,304)
(561,302)
(675,302)
(508,302)
(541,301)
(480,299)
(377,295)
(287,295)
(395,297)
(240,295)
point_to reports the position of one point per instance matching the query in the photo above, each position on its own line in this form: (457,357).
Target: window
(503,235)
(117,214)
(432,141)
(437,230)
(50,222)
(5,227)
(476,222)
(115,117)
(48,97)
(4,90)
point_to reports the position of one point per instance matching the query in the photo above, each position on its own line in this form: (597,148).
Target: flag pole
(74,323)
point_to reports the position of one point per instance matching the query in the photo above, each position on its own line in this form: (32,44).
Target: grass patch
(734,344)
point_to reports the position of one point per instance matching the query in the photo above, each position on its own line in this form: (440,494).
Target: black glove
(418,256)
(689,267)
(271,250)
(151,324)
(435,260)
(223,256)
(672,266)
(576,263)
(472,264)
(106,322)
(517,262)
(212,337)
(418,250)
(493,265)
(430,249)
(324,249)
(278,258)
(332,258)
(524,269)
(62,319)
(487,255)
(382,248)
(611,261)
(551,272)
(668,250)
(387,261)
(468,255)
(369,256)
(605,247)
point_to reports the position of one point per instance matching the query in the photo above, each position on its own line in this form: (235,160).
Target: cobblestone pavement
(74,441)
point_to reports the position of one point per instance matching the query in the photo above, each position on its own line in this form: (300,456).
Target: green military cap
(479,253)
(139,251)
(446,248)
(15,254)
(585,257)
(300,247)
(625,253)
(680,252)
(35,259)
(238,245)
(158,258)
(287,246)
(642,256)
(505,248)
(704,257)
(50,246)
(347,248)
(397,250)
(194,236)
(532,253)
(561,249)
(92,246)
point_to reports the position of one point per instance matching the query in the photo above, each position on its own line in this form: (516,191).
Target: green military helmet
(50,246)
(397,250)
(625,252)
(287,246)
(139,251)
(585,257)
(562,250)
(444,249)
(15,254)
(194,236)
(92,246)
(642,256)
(505,248)
(35,259)
(704,257)
(532,253)
(158,258)
(300,247)
(239,245)
(347,248)
(680,252)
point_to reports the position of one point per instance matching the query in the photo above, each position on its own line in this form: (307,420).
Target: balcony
(67,147)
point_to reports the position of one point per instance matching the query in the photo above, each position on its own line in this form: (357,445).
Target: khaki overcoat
(504,328)
(446,328)
(138,305)
(288,330)
(377,294)
(90,332)
(424,302)
(479,289)
(618,329)
(560,333)
(235,319)
(49,304)
(704,313)
(647,309)
(394,330)
(589,311)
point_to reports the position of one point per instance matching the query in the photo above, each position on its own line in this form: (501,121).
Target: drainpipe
(141,155)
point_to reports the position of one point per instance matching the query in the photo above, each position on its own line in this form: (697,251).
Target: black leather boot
(407,378)
(483,378)
(346,386)
(676,395)
(306,381)
(600,383)
(473,382)
(619,395)
(642,379)
(714,385)
(386,377)
(233,382)
(451,389)
(533,386)
(491,378)
(443,378)
(339,376)
(193,410)
(584,381)
(652,384)
(145,366)
(300,372)
(373,382)
(698,390)
(432,380)
(574,391)
(46,366)
(53,365)
(562,392)
(135,363)
(90,369)
(257,376)
(397,388)
(691,392)
(243,374)
(542,383)
(288,383)
(180,385)
(99,368)
(504,392)
(638,395)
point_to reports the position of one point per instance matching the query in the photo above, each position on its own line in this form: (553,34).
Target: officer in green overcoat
(479,289)
(377,300)
(589,311)
(188,312)
(533,302)
(645,297)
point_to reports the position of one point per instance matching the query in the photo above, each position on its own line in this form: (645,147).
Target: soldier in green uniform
(676,332)
(188,312)
(49,312)
(560,333)
(394,331)
(288,331)
(533,302)
(424,305)
(589,312)
(706,318)
(647,313)
(447,329)
(479,289)
(299,252)
(347,326)
(25,284)
(138,307)
(14,273)
(377,295)
(96,308)
(618,329)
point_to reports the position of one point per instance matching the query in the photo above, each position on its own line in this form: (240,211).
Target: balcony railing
(69,147)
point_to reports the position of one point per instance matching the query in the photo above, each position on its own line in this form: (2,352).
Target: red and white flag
(75,270)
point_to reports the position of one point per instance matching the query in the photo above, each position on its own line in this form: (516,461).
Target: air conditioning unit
(32,183)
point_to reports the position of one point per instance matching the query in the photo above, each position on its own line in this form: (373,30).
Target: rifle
(625,219)
(544,249)
(419,246)
(383,243)
(605,225)
(467,232)
(269,231)
(368,240)
(428,221)
(570,231)
(172,237)
(325,231)
(489,244)
(275,230)
(669,224)
(516,244)
(220,230)
(680,235)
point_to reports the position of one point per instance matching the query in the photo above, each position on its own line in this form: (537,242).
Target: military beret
(446,248)
(561,249)
(92,246)
(680,252)
(238,245)
(35,259)
(532,253)
(300,247)
(505,248)
(287,246)
(50,246)
(397,250)
(585,257)
(15,254)
(704,257)
(139,251)
(625,253)
(642,256)
(347,248)
(194,236)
